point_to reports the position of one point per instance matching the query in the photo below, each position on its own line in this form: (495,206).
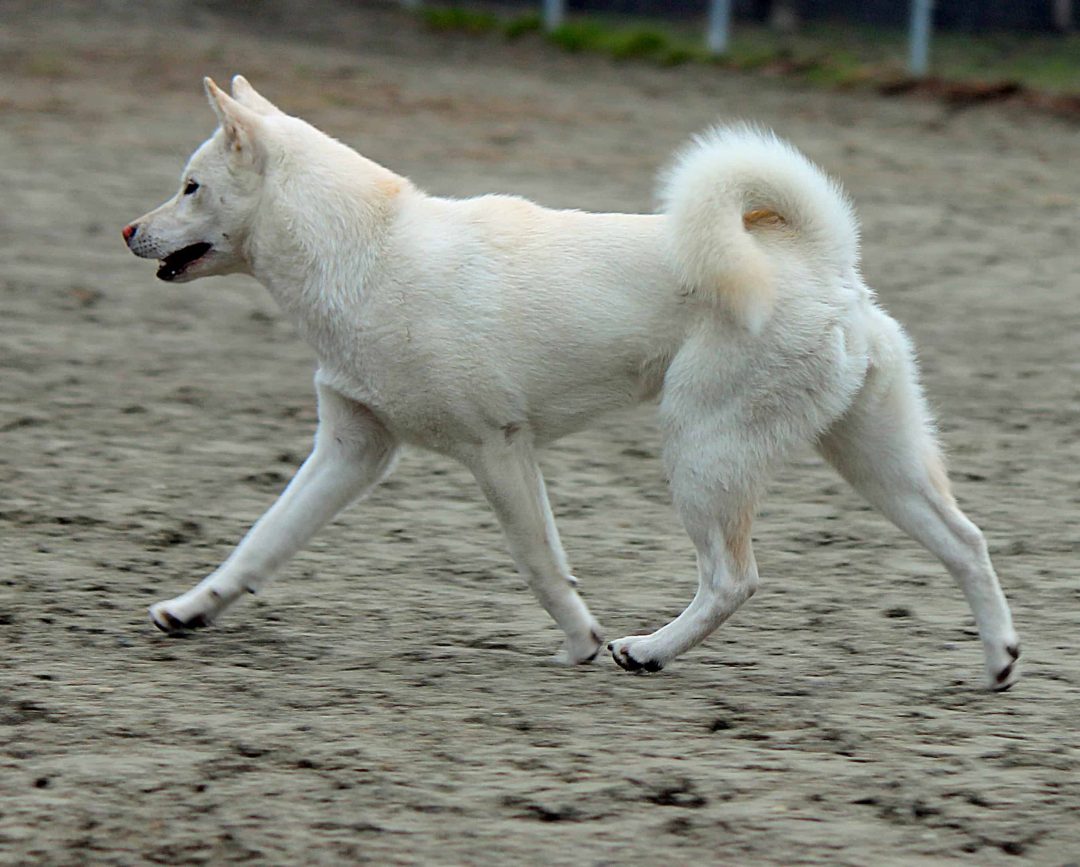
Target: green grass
(577,36)
(827,55)
(638,42)
(1041,61)
(1044,62)
(459,18)
(515,28)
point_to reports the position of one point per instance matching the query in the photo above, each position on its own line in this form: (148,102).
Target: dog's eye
(191,187)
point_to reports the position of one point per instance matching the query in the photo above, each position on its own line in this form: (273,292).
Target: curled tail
(733,193)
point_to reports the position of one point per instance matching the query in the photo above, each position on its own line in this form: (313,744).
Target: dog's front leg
(510,479)
(353,452)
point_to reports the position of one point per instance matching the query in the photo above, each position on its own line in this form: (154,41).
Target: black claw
(999,681)
(172,624)
(595,653)
(162,626)
(1002,687)
(625,660)
(599,639)
(175,626)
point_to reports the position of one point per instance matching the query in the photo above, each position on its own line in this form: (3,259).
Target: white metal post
(554,13)
(922,12)
(719,29)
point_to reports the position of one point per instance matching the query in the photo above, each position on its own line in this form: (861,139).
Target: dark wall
(962,15)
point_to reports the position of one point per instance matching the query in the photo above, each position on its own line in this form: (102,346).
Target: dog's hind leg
(507,472)
(725,428)
(353,452)
(884,446)
(717,510)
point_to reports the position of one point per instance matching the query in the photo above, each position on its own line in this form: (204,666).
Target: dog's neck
(320,235)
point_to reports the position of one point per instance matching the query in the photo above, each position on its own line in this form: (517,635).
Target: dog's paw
(1004,670)
(173,624)
(584,651)
(624,653)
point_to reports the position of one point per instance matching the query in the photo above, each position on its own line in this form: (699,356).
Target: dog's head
(201,231)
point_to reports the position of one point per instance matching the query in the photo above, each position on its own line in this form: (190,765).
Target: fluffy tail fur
(735,191)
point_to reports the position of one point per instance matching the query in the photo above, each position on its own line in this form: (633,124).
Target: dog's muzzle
(173,265)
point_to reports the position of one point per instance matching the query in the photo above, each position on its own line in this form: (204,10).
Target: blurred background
(387,699)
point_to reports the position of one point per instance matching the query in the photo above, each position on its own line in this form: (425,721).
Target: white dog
(485,328)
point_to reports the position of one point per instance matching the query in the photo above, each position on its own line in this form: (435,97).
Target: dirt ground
(388,699)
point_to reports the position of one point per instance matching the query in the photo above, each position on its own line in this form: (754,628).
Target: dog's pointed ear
(245,94)
(242,126)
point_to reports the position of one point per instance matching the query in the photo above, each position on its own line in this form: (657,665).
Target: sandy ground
(388,700)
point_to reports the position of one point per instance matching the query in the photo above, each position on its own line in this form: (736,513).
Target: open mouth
(173,265)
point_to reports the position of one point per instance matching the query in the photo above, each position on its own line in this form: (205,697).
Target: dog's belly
(457,405)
